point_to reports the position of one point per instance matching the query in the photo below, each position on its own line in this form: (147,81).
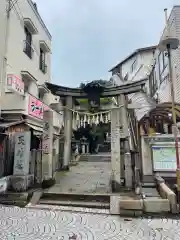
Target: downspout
(4,55)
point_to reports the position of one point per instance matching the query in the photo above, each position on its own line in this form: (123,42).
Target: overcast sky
(91,36)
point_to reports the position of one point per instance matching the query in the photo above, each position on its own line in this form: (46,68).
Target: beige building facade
(28,65)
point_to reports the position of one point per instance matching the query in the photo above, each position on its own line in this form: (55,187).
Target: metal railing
(28,50)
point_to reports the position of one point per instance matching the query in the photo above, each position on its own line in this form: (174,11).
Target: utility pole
(167,44)
(4,53)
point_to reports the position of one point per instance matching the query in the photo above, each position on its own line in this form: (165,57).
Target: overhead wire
(12,4)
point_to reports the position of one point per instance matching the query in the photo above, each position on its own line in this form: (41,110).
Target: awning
(37,130)
(7,124)
(163,111)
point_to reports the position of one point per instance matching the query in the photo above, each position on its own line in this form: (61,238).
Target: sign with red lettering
(15,84)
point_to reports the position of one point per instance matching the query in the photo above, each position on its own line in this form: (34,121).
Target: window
(153,81)
(165,59)
(163,63)
(133,66)
(42,61)
(39,95)
(28,43)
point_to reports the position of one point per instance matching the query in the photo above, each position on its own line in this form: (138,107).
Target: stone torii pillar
(67,131)
(126,168)
(47,141)
(115,150)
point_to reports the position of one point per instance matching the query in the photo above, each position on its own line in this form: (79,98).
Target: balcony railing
(43,66)
(28,50)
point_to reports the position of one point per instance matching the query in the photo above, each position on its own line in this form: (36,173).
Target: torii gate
(118,119)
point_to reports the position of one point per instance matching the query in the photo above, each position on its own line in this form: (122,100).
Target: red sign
(15,84)
(35,107)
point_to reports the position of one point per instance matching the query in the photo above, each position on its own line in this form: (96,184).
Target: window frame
(42,60)
(133,66)
(164,62)
(153,81)
(28,50)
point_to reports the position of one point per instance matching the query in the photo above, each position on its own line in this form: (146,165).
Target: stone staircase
(80,199)
(105,148)
(100,157)
(76,200)
(96,203)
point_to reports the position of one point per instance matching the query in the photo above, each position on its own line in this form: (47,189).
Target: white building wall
(144,61)
(164,92)
(3,23)
(126,67)
(143,68)
(18,61)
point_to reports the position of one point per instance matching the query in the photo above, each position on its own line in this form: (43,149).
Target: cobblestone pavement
(26,224)
(86,177)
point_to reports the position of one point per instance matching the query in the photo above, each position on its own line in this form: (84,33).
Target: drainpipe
(4,55)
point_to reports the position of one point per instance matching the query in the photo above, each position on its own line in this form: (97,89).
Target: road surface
(26,224)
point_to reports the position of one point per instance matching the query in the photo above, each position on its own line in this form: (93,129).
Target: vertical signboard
(22,153)
(47,145)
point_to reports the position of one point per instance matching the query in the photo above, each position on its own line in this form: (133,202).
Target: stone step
(69,209)
(72,203)
(77,200)
(76,197)
(17,199)
(19,203)
(13,198)
(95,158)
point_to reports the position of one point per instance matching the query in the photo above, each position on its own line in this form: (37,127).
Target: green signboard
(164,158)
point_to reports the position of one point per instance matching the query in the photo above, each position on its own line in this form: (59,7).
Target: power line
(12,4)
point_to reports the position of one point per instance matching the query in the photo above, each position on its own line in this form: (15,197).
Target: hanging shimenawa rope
(90,114)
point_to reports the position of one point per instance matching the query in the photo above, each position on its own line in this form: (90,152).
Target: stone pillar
(147,165)
(83,148)
(126,166)
(120,102)
(123,113)
(67,132)
(22,153)
(115,150)
(47,146)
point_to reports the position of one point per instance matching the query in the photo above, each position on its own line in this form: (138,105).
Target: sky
(91,36)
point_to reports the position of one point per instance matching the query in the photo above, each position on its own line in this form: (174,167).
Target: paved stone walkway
(27,224)
(86,177)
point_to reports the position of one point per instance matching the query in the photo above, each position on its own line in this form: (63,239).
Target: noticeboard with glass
(164,157)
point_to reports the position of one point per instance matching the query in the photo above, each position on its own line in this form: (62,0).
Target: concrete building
(26,53)
(152,63)
(159,78)
(136,66)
